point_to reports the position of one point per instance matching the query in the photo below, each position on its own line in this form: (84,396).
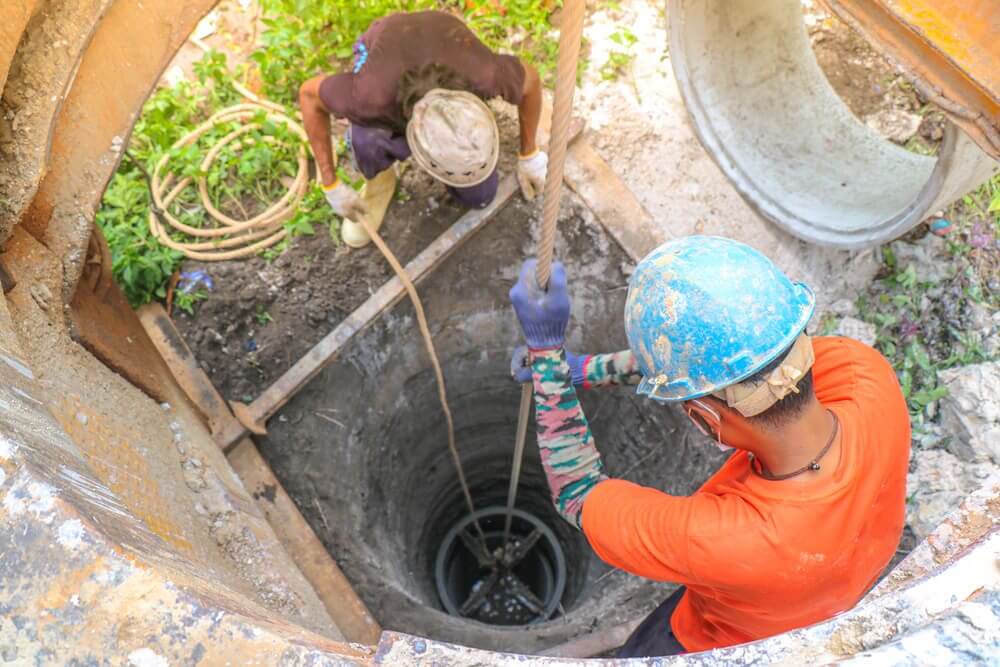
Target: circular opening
(480,577)
(767,114)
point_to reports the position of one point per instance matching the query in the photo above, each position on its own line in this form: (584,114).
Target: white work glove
(531,173)
(344,201)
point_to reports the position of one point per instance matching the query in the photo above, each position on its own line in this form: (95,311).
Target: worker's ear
(734,424)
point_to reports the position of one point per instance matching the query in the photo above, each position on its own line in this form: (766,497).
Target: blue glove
(520,367)
(543,314)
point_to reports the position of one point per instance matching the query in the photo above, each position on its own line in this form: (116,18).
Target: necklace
(812,465)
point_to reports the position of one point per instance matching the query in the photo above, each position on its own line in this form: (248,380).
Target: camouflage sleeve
(601,370)
(571,461)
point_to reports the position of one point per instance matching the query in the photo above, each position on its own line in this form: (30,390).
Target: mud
(362,448)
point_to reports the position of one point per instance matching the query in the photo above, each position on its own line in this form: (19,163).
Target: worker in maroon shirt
(417,87)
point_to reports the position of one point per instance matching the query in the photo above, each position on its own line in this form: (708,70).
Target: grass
(301,38)
(922,324)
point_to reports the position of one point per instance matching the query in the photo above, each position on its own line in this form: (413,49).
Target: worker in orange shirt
(808,510)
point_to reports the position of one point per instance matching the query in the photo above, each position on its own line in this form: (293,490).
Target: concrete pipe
(765,112)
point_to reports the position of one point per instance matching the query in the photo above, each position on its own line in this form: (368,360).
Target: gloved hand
(531,173)
(520,366)
(344,201)
(543,314)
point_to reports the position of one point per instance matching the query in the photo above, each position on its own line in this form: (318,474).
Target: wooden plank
(611,201)
(306,368)
(346,609)
(182,363)
(294,533)
(253,417)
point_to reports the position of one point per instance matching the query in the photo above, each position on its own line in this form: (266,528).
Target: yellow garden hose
(230,238)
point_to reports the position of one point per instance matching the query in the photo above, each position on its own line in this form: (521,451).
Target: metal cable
(562,111)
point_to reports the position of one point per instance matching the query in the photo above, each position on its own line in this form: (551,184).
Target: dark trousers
(375,150)
(654,638)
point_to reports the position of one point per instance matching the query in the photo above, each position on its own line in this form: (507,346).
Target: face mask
(704,426)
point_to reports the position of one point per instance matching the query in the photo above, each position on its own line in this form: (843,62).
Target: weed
(619,60)
(186,300)
(922,325)
(140,264)
(261,315)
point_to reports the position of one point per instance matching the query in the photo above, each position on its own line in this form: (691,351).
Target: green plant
(186,300)
(524,23)
(261,315)
(140,264)
(619,60)
(922,324)
(304,38)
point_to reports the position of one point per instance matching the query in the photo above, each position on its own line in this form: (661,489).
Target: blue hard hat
(704,312)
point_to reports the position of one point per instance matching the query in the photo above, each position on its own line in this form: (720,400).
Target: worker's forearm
(316,122)
(569,456)
(617,368)
(529,111)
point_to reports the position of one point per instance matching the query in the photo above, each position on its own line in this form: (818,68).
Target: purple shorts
(374,150)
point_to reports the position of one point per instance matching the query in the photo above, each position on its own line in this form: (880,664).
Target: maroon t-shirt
(401,42)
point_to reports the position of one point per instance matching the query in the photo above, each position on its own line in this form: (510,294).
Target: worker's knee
(477,196)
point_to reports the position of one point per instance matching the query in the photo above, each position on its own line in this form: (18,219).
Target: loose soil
(864,79)
(261,317)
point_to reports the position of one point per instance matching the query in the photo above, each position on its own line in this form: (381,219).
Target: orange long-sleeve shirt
(762,557)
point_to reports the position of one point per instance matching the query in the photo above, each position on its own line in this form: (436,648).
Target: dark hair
(415,83)
(791,405)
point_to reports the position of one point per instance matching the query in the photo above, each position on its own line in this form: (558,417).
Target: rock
(936,486)
(844,307)
(928,257)
(894,124)
(980,317)
(852,327)
(970,412)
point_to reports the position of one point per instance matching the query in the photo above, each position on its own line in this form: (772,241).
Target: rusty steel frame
(346,609)
(253,417)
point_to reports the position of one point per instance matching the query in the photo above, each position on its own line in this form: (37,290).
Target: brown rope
(435,363)
(562,112)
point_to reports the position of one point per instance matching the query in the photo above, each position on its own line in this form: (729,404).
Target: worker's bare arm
(316,121)
(529,111)
(616,368)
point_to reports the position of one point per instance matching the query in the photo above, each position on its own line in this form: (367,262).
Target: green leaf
(920,356)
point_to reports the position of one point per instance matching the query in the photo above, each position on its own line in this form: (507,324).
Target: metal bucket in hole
(526,589)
